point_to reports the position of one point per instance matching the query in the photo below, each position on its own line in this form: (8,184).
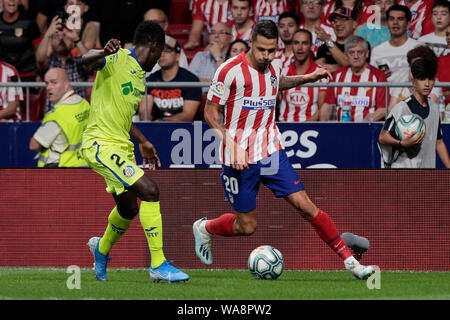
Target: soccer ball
(266,262)
(407,124)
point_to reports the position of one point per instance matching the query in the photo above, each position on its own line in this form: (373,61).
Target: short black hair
(266,28)
(289,14)
(399,7)
(441,3)
(422,51)
(307,32)
(148,32)
(424,69)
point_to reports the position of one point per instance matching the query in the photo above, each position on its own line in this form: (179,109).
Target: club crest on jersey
(273,81)
(18,32)
(128,171)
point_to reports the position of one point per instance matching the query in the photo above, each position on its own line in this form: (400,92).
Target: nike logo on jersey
(297,182)
(133,72)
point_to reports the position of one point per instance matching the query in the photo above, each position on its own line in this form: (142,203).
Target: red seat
(180,12)
(37,106)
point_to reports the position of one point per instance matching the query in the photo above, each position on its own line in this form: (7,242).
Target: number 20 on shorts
(231,184)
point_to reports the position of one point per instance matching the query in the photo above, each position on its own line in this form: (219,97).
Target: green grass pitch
(135,284)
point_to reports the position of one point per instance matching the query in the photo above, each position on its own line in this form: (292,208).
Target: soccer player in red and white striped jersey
(269,9)
(245,90)
(301,104)
(368,104)
(206,13)
(420,17)
(9,96)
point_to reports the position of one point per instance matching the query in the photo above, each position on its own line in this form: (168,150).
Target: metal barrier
(387,85)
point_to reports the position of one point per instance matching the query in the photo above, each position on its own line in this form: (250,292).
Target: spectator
(171,104)
(357,6)
(10,97)
(415,150)
(205,63)
(88,30)
(331,54)
(242,22)
(440,16)
(46,10)
(269,9)
(236,48)
(300,103)
(209,13)
(421,51)
(117,19)
(54,51)
(390,55)
(312,11)
(287,25)
(58,139)
(17,33)
(420,17)
(375,30)
(443,70)
(367,104)
(159,16)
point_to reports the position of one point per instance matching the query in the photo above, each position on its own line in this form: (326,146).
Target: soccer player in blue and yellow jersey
(107,148)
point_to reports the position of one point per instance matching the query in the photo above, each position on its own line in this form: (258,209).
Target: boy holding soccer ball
(417,150)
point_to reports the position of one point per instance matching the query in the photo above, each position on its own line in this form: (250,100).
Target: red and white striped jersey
(317,42)
(262,9)
(363,99)
(246,36)
(285,60)
(300,103)
(9,94)
(249,99)
(212,12)
(420,17)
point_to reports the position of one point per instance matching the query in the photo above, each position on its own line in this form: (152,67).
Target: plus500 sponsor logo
(258,103)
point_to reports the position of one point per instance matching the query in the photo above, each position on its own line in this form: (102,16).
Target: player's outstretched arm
(93,59)
(288,82)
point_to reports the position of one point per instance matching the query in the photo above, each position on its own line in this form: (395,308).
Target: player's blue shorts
(275,172)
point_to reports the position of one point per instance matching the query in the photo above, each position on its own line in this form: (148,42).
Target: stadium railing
(27,85)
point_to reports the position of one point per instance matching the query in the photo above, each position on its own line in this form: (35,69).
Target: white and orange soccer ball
(266,262)
(409,123)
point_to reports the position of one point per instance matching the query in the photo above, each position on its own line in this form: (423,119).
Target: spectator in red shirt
(209,13)
(443,70)
(9,96)
(301,103)
(367,104)
(242,22)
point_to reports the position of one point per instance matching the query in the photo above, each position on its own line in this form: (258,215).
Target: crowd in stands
(357,40)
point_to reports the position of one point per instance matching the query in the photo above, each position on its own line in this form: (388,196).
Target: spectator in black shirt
(171,104)
(17,33)
(331,54)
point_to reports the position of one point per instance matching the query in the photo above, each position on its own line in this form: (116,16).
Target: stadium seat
(182,14)
(179,31)
(37,106)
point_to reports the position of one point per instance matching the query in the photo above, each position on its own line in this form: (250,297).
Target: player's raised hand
(149,155)
(112,46)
